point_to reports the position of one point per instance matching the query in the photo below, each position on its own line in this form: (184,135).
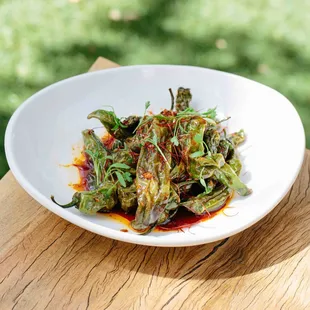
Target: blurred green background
(42,42)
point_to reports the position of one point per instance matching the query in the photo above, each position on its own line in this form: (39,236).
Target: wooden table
(48,263)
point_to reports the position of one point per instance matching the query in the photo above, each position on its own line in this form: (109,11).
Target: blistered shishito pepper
(131,123)
(153,178)
(128,197)
(178,172)
(102,199)
(183,99)
(112,124)
(135,143)
(97,153)
(235,164)
(204,167)
(158,162)
(227,176)
(169,209)
(226,149)
(124,156)
(212,139)
(191,130)
(237,137)
(205,203)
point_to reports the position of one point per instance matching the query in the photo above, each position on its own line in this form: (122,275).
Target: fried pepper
(153,178)
(102,199)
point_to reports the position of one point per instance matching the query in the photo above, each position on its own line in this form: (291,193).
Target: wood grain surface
(48,263)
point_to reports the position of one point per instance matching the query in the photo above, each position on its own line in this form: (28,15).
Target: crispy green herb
(211,113)
(237,138)
(121,175)
(147,105)
(159,163)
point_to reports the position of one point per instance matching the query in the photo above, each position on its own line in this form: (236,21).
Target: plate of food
(157,155)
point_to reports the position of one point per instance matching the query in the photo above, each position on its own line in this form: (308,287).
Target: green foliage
(117,121)
(175,140)
(146,106)
(211,113)
(122,176)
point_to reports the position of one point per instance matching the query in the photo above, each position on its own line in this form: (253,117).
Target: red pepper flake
(108,141)
(135,156)
(147,175)
(166,112)
(124,230)
(149,146)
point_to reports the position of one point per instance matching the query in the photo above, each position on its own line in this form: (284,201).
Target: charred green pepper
(128,197)
(102,199)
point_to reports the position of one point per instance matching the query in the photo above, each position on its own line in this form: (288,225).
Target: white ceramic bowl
(42,131)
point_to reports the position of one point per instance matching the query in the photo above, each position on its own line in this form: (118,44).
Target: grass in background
(45,41)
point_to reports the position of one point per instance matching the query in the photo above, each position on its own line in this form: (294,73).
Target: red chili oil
(108,141)
(183,218)
(84,167)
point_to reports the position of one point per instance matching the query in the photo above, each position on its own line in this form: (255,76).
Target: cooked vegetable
(153,165)
(183,99)
(207,202)
(95,150)
(153,177)
(102,199)
(237,138)
(113,124)
(128,197)
(228,177)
